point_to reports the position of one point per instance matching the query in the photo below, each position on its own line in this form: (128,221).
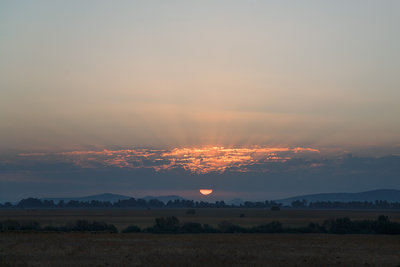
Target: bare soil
(88,249)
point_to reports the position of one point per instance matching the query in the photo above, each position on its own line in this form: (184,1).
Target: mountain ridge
(390,195)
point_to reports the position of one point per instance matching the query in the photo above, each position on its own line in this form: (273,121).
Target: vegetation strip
(172,225)
(183,203)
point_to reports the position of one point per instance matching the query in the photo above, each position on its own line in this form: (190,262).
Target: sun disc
(206,191)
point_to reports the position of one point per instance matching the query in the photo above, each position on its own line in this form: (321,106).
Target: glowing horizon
(197,160)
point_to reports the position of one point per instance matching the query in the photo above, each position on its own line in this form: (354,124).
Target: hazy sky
(176,73)
(94,75)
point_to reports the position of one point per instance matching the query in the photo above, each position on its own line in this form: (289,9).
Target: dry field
(95,249)
(85,249)
(121,218)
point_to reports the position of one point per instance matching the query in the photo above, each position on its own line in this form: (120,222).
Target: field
(121,218)
(106,249)
(80,249)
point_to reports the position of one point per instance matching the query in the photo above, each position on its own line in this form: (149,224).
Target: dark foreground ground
(86,249)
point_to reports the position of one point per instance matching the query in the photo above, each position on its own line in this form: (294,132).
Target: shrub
(85,226)
(311,228)
(272,227)
(192,227)
(166,225)
(384,226)
(50,228)
(339,226)
(131,229)
(209,229)
(228,227)
(31,226)
(10,225)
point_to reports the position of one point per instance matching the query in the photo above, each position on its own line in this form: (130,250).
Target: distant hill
(100,197)
(164,199)
(390,195)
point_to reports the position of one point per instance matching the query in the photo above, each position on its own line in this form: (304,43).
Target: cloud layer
(253,173)
(200,160)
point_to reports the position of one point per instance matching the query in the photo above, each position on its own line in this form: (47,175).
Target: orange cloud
(195,160)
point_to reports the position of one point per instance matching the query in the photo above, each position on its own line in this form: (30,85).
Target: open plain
(85,249)
(146,249)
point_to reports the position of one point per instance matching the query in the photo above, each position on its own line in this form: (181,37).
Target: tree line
(182,203)
(378,204)
(77,226)
(132,203)
(382,225)
(172,225)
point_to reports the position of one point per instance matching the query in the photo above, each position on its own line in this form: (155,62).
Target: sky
(88,88)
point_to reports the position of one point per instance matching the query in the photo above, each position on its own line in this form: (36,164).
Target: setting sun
(206,191)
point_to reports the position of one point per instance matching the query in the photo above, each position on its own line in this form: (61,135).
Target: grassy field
(85,249)
(121,218)
(106,249)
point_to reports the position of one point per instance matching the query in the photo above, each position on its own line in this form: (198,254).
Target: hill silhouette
(390,195)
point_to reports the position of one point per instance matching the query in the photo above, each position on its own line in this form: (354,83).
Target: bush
(171,225)
(31,226)
(272,227)
(131,229)
(85,226)
(345,226)
(362,227)
(339,226)
(209,229)
(228,227)
(50,228)
(311,228)
(192,227)
(315,228)
(165,225)
(10,225)
(384,226)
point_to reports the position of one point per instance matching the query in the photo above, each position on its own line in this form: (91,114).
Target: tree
(192,227)
(30,203)
(166,225)
(131,229)
(299,204)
